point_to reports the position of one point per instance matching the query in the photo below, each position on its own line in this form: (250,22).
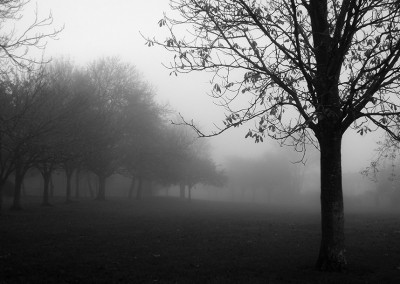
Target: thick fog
(134,150)
(255,172)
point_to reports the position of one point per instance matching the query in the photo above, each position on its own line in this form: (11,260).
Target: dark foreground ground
(168,241)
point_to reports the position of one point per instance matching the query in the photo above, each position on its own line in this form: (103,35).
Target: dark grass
(170,241)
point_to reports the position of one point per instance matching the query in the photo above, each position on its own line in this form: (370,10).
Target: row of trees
(101,118)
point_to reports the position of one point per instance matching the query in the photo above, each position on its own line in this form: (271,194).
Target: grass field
(170,241)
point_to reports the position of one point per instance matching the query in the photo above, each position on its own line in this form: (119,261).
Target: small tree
(202,170)
(187,161)
(310,70)
(179,153)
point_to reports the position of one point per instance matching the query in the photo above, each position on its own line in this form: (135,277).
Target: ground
(171,241)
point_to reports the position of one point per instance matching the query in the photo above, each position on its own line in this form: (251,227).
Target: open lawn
(172,241)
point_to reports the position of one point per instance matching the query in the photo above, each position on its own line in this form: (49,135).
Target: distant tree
(126,120)
(189,162)
(310,70)
(202,170)
(69,95)
(46,167)
(384,171)
(178,154)
(269,173)
(104,130)
(143,144)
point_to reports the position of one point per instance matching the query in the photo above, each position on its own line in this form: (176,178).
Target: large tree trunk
(46,188)
(17,193)
(68,173)
(101,195)
(19,179)
(51,184)
(332,251)
(2,183)
(77,175)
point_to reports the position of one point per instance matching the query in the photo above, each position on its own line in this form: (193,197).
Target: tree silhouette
(15,45)
(16,42)
(68,91)
(28,116)
(309,71)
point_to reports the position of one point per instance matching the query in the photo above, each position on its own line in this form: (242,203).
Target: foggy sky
(96,28)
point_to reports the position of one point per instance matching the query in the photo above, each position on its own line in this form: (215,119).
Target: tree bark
(23,191)
(332,250)
(101,195)
(68,173)
(2,183)
(77,175)
(51,184)
(19,178)
(46,188)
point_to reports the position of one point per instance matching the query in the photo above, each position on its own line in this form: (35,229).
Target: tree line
(101,118)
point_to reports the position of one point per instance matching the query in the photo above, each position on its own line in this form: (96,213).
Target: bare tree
(309,70)
(16,41)
(68,90)
(15,45)
(125,118)
(23,126)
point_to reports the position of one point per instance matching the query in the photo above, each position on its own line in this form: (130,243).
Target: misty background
(97,29)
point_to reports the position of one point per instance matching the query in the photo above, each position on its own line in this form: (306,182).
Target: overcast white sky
(96,28)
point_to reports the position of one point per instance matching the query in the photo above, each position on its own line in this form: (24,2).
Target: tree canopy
(276,52)
(306,71)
